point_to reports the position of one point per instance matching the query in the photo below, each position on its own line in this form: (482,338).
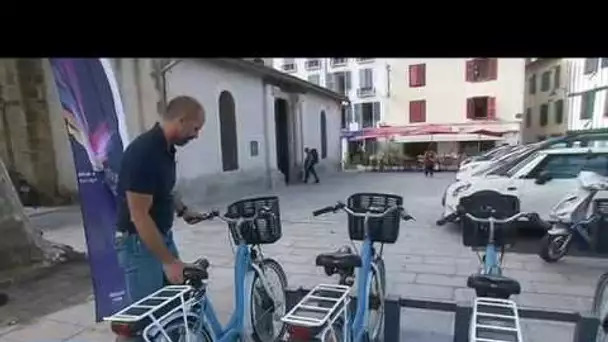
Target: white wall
(446,90)
(312,107)
(199,163)
(578,83)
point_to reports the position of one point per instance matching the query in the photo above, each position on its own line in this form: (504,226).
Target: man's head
(182,120)
(306,150)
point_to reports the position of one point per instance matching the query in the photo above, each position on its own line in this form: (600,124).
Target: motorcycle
(575,217)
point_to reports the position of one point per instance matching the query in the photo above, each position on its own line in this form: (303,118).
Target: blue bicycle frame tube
(235,325)
(358,325)
(491,260)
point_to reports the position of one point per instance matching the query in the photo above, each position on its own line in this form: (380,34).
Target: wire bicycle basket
(266,228)
(385,229)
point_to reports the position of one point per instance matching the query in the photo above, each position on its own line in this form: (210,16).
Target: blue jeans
(144,273)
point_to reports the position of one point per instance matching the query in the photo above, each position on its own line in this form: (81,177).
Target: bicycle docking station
(585,324)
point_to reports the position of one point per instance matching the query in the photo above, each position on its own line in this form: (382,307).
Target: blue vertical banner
(95,122)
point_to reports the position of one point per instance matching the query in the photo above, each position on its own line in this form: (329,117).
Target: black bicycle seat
(493,286)
(197,270)
(339,259)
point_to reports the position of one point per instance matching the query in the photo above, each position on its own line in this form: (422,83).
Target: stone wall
(26,140)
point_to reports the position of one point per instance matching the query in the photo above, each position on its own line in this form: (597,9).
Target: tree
(21,244)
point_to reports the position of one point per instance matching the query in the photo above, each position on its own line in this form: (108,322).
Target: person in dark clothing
(3,298)
(312,158)
(429,163)
(147,201)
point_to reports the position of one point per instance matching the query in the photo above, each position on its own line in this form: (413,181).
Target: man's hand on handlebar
(192,217)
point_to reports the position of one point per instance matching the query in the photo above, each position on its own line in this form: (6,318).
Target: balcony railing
(313,64)
(338,62)
(366,92)
(364,60)
(289,67)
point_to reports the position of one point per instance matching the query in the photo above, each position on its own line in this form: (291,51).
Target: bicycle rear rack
(495,320)
(324,303)
(147,306)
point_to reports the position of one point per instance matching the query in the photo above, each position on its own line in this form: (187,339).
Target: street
(427,262)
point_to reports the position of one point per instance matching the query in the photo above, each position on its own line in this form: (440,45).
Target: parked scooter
(574,217)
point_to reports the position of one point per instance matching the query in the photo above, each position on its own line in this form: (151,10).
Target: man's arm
(139,207)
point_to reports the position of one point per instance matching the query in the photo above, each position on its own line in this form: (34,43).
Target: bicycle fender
(247,327)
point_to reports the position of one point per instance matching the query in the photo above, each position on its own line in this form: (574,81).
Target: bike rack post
(392,319)
(586,328)
(462,321)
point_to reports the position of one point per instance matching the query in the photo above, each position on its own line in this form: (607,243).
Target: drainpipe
(159,75)
(265,115)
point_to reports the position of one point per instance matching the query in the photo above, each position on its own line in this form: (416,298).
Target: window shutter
(358,114)
(413,76)
(329,81)
(469,71)
(491,108)
(347,82)
(557,78)
(422,74)
(422,111)
(493,68)
(413,111)
(470,108)
(376,112)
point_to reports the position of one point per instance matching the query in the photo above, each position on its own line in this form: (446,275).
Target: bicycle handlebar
(369,213)
(216,214)
(530,216)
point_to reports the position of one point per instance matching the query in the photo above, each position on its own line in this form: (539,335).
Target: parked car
(496,151)
(479,165)
(539,180)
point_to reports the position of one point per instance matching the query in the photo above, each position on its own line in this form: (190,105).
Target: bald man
(147,203)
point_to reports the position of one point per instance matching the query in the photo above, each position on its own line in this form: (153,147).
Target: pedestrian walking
(147,202)
(429,163)
(310,160)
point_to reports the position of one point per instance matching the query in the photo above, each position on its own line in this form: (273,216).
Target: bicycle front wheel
(267,309)
(600,306)
(377,292)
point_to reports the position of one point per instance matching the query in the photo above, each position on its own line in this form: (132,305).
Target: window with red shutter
(493,69)
(413,76)
(470,108)
(417,75)
(491,108)
(469,71)
(418,111)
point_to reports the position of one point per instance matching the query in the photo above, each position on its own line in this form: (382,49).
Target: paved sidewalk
(427,262)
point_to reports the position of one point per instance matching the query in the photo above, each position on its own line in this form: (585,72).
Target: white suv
(539,181)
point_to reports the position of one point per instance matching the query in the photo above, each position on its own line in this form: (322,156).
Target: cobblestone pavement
(427,262)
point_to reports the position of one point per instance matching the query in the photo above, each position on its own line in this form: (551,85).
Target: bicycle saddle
(342,258)
(493,286)
(197,271)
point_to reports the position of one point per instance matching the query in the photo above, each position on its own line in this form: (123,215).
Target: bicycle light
(297,333)
(123,329)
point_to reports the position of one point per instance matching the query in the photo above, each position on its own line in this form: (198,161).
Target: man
(146,202)
(429,163)
(312,158)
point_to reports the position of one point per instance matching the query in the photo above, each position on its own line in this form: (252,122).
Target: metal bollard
(392,319)
(462,321)
(586,328)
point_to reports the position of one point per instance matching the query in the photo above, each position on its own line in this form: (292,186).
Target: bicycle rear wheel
(177,332)
(600,306)
(266,317)
(377,292)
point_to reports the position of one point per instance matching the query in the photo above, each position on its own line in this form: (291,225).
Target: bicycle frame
(364,276)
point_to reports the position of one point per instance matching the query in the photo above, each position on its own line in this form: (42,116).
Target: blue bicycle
(185,313)
(324,313)
(487,219)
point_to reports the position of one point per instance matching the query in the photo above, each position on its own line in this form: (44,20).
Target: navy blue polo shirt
(148,167)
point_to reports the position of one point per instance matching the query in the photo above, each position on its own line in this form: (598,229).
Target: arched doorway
(323,135)
(228,132)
